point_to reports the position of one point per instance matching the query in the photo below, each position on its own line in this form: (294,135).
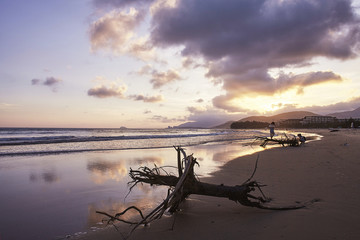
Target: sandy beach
(327,170)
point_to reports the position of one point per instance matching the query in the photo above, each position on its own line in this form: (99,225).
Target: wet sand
(328,170)
(55,196)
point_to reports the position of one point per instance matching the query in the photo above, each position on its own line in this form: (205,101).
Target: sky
(160,63)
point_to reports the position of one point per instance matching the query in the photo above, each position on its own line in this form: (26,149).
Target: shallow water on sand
(54,195)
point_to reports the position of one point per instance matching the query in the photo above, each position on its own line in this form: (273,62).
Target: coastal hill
(269,119)
(224,125)
(278,117)
(348,114)
(275,118)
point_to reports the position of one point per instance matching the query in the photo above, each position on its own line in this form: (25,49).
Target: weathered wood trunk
(186,184)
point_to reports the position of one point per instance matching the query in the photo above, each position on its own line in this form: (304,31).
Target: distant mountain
(348,114)
(275,118)
(190,125)
(278,117)
(209,122)
(269,119)
(224,125)
(195,125)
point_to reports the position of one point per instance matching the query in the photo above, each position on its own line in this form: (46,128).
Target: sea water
(52,181)
(27,141)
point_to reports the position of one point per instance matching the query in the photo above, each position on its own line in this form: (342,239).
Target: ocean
(30,141)
(52,180)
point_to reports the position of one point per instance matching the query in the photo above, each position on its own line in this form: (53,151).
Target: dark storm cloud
(242,40)
(290,31)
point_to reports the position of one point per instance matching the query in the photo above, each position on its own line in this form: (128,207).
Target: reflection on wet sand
(48,176)
(150,159)
(103,170)
(85,183)
(213,156)
(146,197)
(149,198)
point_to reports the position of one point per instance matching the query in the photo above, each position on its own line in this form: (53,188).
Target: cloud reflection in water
(48,176)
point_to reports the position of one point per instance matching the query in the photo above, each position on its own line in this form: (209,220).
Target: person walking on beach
(272,129)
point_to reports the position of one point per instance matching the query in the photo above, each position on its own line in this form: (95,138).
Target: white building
(318,119)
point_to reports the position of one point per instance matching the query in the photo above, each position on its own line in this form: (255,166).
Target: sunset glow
(162,63)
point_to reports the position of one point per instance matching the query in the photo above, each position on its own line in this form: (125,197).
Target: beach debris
(185,184)
(284,140)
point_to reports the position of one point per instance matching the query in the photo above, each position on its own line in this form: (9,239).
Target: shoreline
(326,170)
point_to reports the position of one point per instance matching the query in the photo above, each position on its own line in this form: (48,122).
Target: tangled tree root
(186,184)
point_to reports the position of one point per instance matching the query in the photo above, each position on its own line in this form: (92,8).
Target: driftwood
(186,183)
(284,140)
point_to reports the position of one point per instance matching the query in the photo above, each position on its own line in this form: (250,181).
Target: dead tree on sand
(283,140)
(185,184)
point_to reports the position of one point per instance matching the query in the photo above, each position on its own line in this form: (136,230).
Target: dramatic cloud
(104,92)
(51,82)
(258,82)
(224,102)
(243,40)
(350,104)
(114,30)
(274,32)
(160,79)
(261,82)
(151,99)
(239,43)
(120,3)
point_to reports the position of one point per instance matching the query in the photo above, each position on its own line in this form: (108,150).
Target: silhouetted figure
(302,139)
(272,129)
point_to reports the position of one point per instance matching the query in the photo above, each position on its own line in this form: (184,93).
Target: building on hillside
(290,122)
(318,119)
